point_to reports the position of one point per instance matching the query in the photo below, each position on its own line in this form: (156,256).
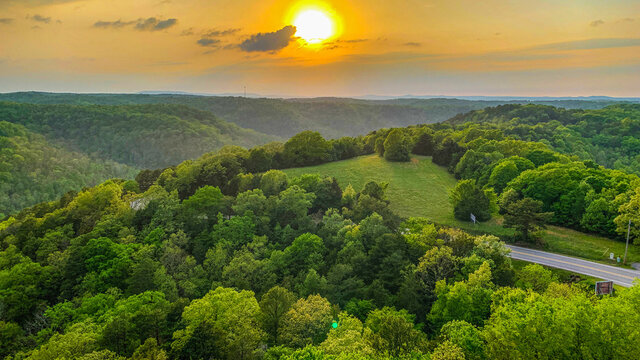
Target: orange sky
(421,47)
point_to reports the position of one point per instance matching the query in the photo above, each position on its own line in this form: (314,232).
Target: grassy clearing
(421,188)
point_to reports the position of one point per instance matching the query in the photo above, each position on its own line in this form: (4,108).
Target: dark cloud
(149,24)
(113,24)
(208,42)
(40,18)
(272,41)
(153,24)
(412,44)
(6,21)
(220,33)
(596,23)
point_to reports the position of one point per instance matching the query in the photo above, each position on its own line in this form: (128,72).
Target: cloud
(208,42)
(412,44)
(148,24)
(153,24)
(40,18)
(590,44)
(272,41)
(6,21)
(596,23)
(113,24)
(220,33)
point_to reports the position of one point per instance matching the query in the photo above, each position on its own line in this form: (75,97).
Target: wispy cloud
(596,23)
(153,24)
(40,18)
(220,33)
(148,24)
(208,42)
(6,21)
(412,44)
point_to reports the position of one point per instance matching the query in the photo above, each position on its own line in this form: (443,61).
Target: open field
(420,188)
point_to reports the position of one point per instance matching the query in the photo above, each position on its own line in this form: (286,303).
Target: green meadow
(421,188)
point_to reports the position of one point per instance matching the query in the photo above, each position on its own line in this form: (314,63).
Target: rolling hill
(332,117)
(47,150)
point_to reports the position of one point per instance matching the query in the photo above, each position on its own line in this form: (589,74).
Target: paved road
(619,276)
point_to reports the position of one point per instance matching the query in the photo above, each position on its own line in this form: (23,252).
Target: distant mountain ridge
(332,117)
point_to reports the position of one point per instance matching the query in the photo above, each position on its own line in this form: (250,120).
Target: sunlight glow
(314,26)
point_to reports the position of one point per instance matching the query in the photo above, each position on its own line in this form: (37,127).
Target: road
(619,276)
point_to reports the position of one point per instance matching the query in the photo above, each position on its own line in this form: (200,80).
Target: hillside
(33,170)
(608,136)
(52,149)
(421,188)
(332,117)
(211,258)
(416,188)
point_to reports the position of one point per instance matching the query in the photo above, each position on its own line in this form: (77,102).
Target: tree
(501,175)
(350,337)
(467,198)
(307,148)
(396,146)
(437,264)
(12,338)
(273,182)
(273,307)
(466,336)
(306,252)
(465,300)
(307,322)
(448,351)
(423,144)
(526,216)
(225,320)
(535,277)
(393,331)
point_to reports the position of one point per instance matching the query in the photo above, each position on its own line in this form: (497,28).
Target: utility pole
(627,246)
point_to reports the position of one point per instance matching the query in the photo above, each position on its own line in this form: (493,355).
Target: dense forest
(33,170)
(225,257)
(609,136)
(332,117)
(47,150)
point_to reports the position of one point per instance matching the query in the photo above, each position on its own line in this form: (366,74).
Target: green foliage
(307,322)
(467,198)
(393,332)
(396,146)
(526,217)
(228,318)
(535,277)
(307,148)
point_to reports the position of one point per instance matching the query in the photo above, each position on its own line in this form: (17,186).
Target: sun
(314,26)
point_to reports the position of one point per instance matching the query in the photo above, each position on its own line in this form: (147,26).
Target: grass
(416,188)
(421,188)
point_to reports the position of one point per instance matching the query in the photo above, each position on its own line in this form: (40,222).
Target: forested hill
(332,117)
(47,150)
(33,170)
(609,136)
(222,258)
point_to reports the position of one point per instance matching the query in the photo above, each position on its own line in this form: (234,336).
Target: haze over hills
(332,117)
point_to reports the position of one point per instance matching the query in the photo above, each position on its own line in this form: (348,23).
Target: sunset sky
(420,47)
